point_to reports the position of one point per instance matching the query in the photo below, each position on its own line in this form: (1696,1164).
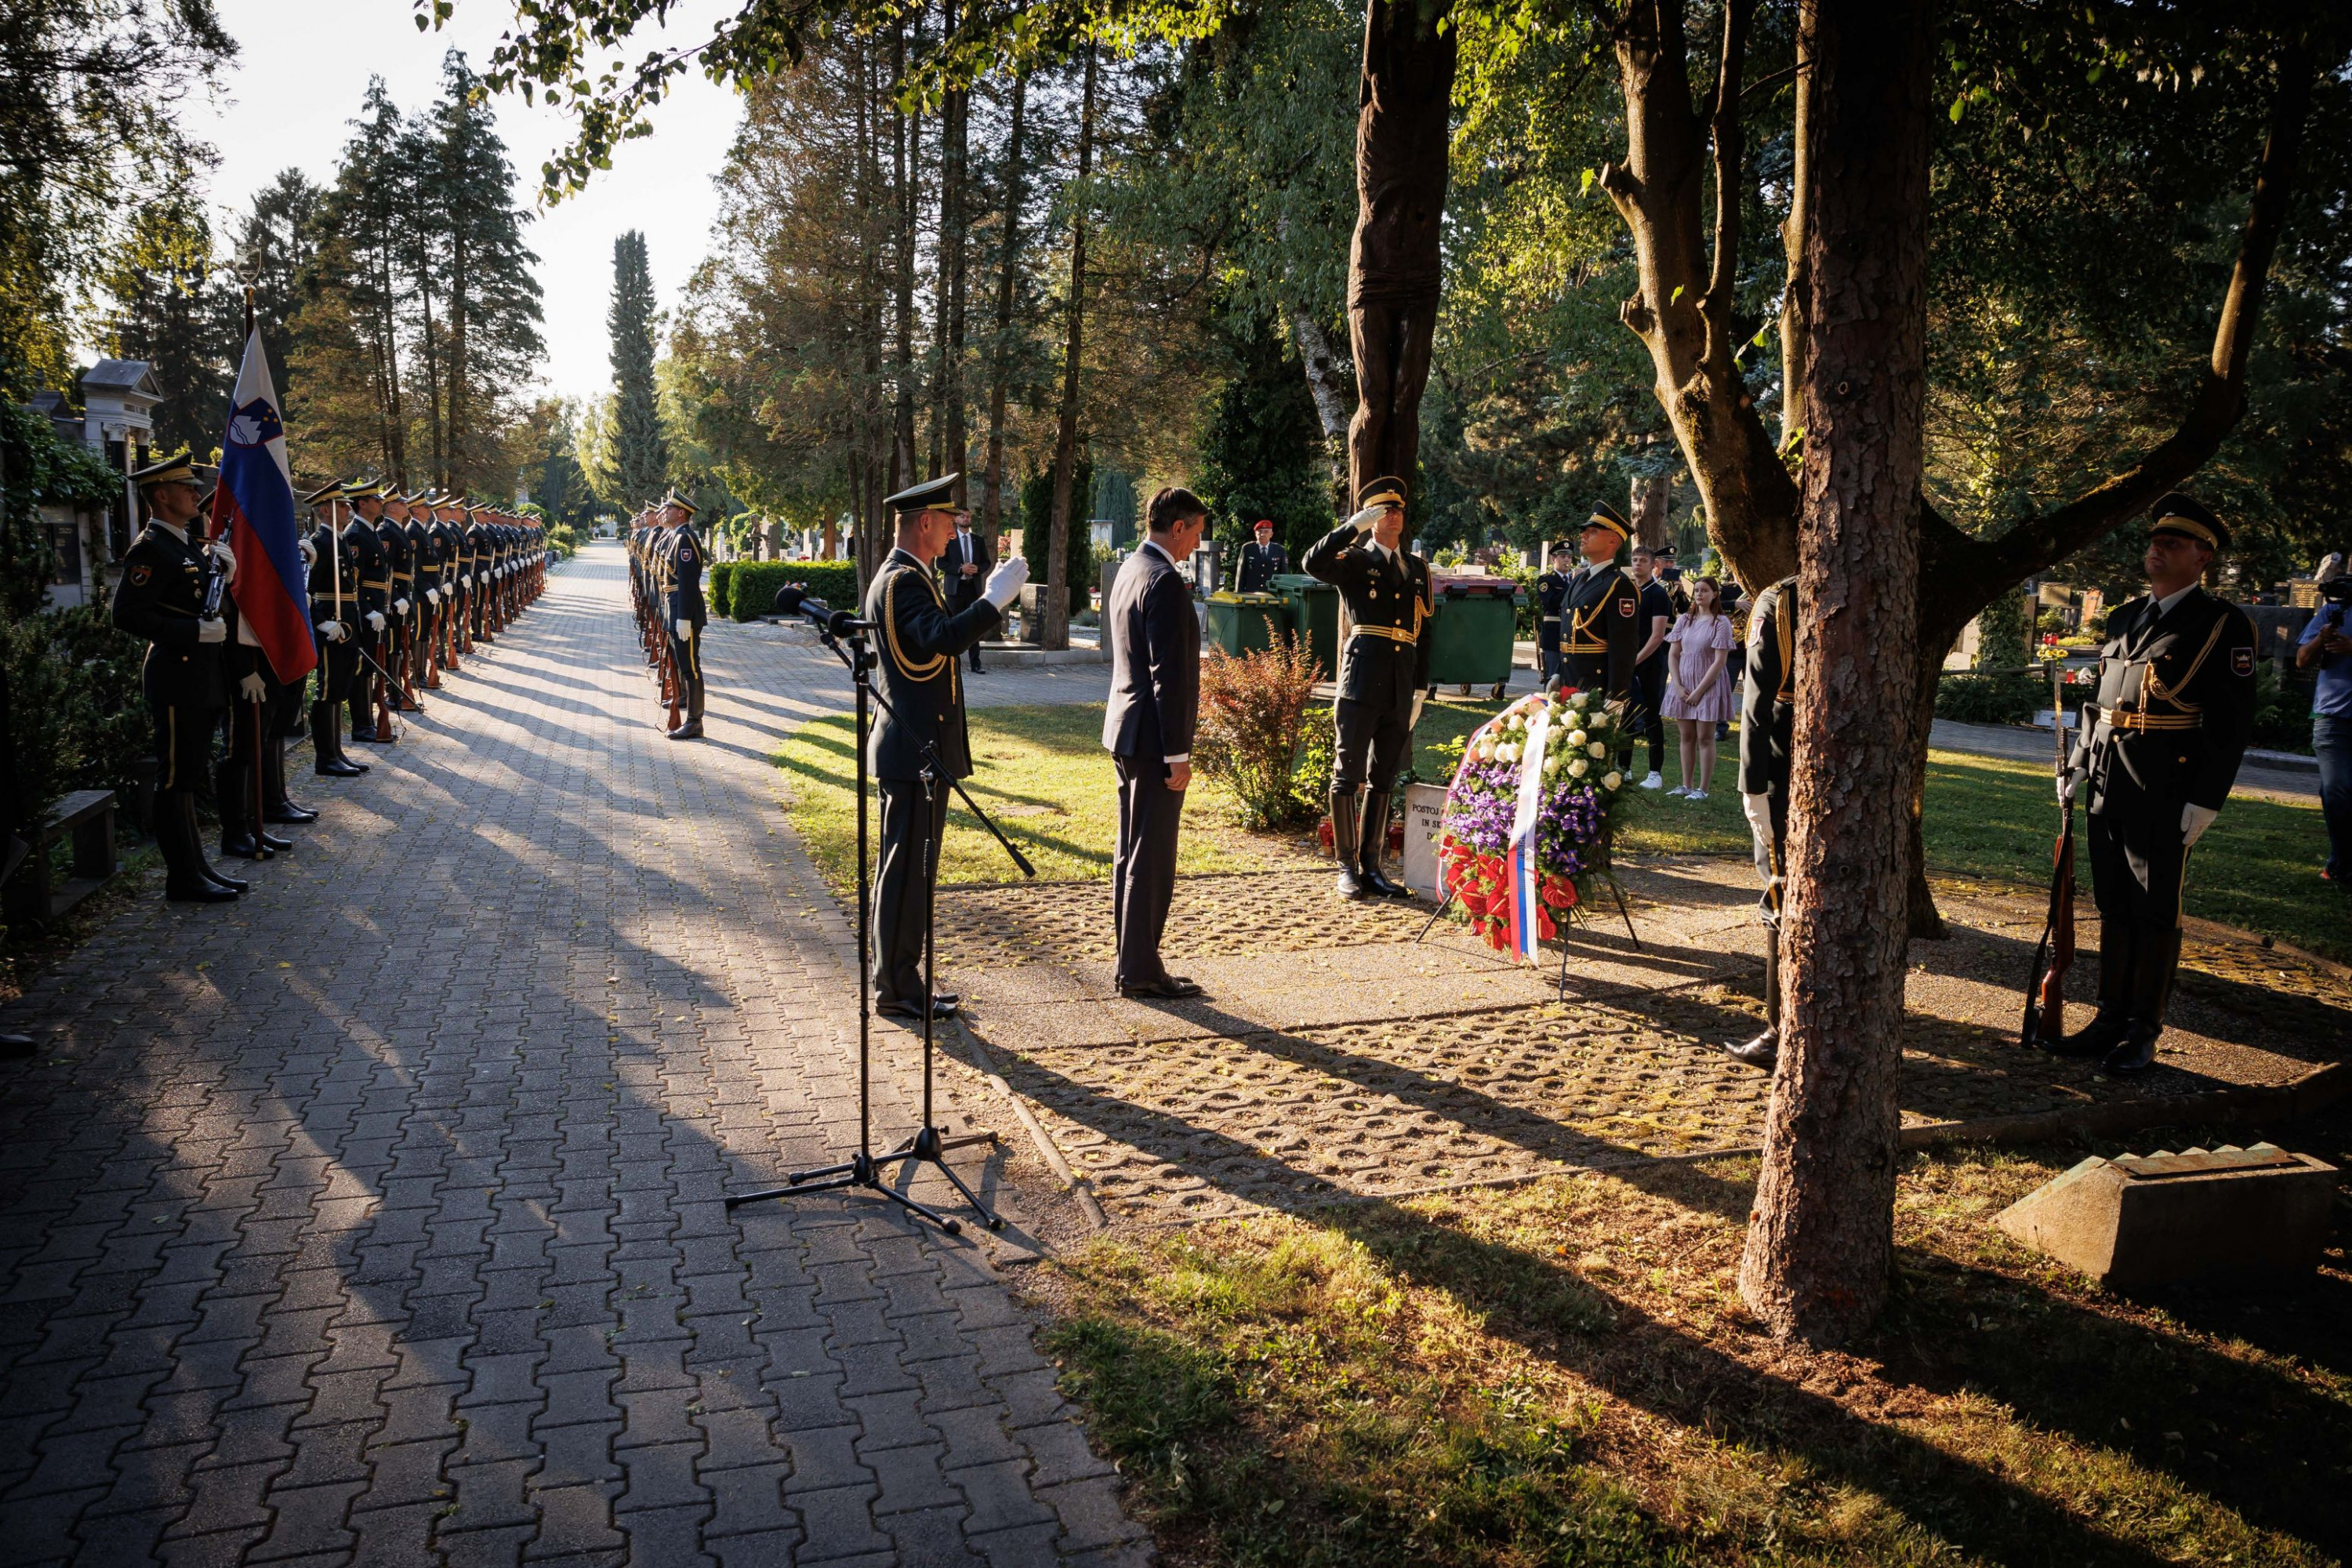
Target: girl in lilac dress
(1698,689)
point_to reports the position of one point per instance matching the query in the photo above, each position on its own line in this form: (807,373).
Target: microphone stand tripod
(865,1169)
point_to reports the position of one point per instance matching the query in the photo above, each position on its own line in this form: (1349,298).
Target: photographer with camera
(2325,647)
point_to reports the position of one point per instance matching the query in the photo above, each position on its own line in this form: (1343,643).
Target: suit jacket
(1389,601)
(1768,714)
(1155,659)
(2176,705)
(916,670)
(964,590)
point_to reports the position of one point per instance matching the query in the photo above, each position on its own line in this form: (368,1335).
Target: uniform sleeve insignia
(139,575)
(2241,661)
(1624,606)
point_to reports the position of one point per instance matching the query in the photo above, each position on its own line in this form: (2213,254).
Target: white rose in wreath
(1506,752)
(1576,737)
(1596,751)
(1579,768)
(1614,779)
(1581,700)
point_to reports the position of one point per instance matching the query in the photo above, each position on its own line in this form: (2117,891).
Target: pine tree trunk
(1821,1233)
(953,160)
(458,282)
(1053,615)
(902,449)
(991,523)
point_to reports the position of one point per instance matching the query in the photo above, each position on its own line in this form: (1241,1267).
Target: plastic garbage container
(1246,622)
(1313,608)
(1472,634)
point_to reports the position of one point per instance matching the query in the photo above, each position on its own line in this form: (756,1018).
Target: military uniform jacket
(1388,598)
(160,597)
(916,668)
(1601,617)
(683,599)
(400,558)
(1260,564)
(424,552)
(1551,593)
(1768,713)
(332,553)
(2176,704)
(364,546)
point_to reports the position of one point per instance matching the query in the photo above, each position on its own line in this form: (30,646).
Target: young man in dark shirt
(1657,618)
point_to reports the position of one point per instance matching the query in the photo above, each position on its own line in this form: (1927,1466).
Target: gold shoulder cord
(1784,632)
(2156,690)
(930,666)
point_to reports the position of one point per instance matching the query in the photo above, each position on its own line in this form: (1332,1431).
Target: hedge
(722,584)
(753,585)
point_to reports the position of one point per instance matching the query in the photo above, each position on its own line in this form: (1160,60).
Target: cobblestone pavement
(376,1217)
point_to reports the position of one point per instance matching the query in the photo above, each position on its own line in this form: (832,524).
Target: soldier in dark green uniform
(1601,617)
(1768,716)
(170,593)
(2157,756)
(1382,669)
(921,727)
(335,625)
(683,614)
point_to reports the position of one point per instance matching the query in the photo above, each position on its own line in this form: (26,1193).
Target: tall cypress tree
(640,455)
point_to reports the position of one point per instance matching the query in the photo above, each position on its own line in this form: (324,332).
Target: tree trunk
(1323,385)
(1395,266)
(459,281)
(1792,241)
(953,151)
(1053,613)
(992,525)
(1648,499)
(1822,1234)
(902,446)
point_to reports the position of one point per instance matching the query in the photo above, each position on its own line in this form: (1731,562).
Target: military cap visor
(680,502)
(1608,517)
(180,467)
(363,490)
(1385,491)
(2191,519)
(331,491)
(931,495)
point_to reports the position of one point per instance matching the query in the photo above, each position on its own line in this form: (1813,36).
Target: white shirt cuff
(1172,762)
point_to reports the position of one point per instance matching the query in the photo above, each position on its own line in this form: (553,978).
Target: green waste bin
(1472,634)
(1313,608)
(1246,622)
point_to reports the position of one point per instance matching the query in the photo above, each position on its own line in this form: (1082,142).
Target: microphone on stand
(792,599)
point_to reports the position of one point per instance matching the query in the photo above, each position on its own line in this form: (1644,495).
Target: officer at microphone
(919,728)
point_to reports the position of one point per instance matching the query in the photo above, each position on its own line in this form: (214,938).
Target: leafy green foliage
(2008,695)
(1253,717)
(640,454)
(1259,449)
(753,585)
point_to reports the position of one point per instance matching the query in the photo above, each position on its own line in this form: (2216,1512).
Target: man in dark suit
(919,731)
(962,565)
(1154,638)
(1262,562)
(1768,718)
(2159,753)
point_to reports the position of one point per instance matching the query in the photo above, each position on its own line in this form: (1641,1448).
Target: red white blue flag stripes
(253,507)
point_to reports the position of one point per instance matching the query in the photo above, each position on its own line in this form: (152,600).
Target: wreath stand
(1574,914)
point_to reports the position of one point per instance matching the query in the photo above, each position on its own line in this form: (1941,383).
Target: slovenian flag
(1524,919)
(253,508)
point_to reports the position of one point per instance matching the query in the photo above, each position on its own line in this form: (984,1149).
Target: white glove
(2065,786)
(1414,722)
(1362,522)
(375,620)
(1004,583)
(1759,809)
(683,627)
(334,631)
(227,559)
(309,551)
(400,606)
(2194,821)
(469,580)
(251,689)
(433,597)
(214,630)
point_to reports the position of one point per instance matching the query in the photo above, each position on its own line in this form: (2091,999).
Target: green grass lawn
(1991,819)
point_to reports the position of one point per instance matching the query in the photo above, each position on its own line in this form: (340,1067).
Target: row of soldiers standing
(399,587)
(666,561)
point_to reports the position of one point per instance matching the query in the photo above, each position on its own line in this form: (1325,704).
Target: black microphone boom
(792,599)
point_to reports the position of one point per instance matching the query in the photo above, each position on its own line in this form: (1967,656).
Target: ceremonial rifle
(2045,990)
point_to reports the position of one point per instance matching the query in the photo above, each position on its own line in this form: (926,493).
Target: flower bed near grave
(1578,785)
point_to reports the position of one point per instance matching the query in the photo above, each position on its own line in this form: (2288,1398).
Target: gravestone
(1424,804)
(2251,1217)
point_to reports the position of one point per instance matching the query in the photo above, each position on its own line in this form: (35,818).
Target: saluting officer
(684,615)
(1262,561)
(1382,669)
(920,728)
(1600,616)
(2158,752)
(334,625)
(168,574)
(1551,594)
(1768,717)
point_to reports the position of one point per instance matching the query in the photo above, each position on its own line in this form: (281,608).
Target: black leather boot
(1343,844)
(2136,1051)
(233,793)
(1372,844)
(276,807)
(327,743)
(186,878)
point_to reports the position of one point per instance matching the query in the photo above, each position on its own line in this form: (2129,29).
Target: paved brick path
(376,1218)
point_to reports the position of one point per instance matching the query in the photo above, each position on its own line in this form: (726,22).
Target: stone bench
(88,815)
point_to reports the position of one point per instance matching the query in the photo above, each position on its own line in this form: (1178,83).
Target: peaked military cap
(2191,519)
(331,491)
(364,489)
(680,502)
(1608,517)
(179,467)
(1386,491)
(931,494)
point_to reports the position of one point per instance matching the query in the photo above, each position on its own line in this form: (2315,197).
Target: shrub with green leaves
(751,586)
(1252,721)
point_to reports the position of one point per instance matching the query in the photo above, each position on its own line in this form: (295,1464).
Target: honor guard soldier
(170,593)
(391,520)
(1600,630)
(2157,755)
(334,620)
(425,549)
(919,741)
(1382,669)
(1768,717)
(484,546)
(1551,594)
(683,613)
(1262,562)
(364,542)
